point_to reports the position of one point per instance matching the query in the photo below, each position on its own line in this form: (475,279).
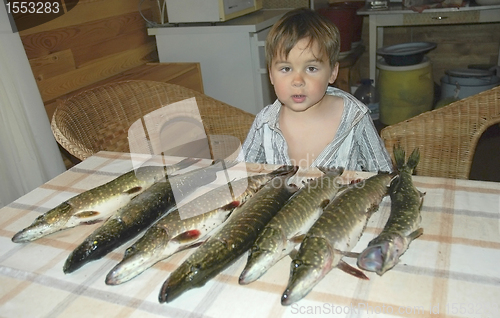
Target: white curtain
(29,155)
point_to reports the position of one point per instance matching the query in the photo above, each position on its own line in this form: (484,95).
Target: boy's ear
(335,73)
(270,75)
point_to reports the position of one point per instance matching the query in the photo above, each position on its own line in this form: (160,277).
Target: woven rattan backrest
(447,137)
(99,118)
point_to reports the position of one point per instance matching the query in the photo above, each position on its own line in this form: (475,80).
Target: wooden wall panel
(90,10)
(53,87)
(95,40)
(80,35)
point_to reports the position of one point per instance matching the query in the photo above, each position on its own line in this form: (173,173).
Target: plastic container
(405,91)
(368,95)
(357,23)
(455,89)
(343,18)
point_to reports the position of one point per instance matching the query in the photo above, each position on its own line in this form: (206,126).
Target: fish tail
(337,170)
(399,156)
(413,159)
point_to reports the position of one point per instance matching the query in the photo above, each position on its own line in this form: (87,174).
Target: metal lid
(468,72)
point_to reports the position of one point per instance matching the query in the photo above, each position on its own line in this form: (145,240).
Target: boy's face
(300,81)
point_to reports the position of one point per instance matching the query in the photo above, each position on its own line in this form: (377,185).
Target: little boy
(311,124)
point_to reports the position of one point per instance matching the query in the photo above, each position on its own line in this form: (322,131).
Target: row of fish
(99,203)
(187,227)
(264,215)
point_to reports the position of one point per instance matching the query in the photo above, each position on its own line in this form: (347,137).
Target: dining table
(451,270)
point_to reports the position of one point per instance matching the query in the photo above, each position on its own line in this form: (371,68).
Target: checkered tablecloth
(452,270)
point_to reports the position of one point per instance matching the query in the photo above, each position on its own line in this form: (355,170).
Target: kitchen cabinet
(396,16)
(231,56)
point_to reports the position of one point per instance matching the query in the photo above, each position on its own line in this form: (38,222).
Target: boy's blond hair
(297,25)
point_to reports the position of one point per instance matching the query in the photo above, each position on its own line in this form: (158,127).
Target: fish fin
(394,183)
(187,236)
(86,214)
(292,188)
(197,244)
(354,181)
(297,238)
(399,156)
(324,203)
(413,235)
(231,205)
(413,159)
(188,246)
(133,190)
(90,222)
(346,268)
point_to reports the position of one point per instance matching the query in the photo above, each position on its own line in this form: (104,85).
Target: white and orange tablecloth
(452,270)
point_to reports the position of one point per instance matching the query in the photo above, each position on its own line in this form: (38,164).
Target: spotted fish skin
(97,204)
(139,214)
(286,230)
(403,225)
(227,245)
(333,235)
(181,230)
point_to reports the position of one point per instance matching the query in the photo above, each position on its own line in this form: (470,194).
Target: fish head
(383,254)
(193,272)
(45,224)
(187,276)
(306,270)
(147,251)
(264,253)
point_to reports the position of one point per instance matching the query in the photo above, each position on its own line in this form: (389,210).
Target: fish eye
(195,268)
(296,263)
(129,250)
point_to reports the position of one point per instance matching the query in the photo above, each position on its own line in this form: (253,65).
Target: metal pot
(471,77)
(461,87)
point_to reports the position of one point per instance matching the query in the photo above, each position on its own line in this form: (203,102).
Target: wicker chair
(99,118)
(447,137)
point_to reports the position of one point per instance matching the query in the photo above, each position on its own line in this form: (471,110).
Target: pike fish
(333,236)
(188,226)
(97,204)
(139,214)
(287,229)
(403,225)
(227,245)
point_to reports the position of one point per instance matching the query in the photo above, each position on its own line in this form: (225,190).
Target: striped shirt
(356,146)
